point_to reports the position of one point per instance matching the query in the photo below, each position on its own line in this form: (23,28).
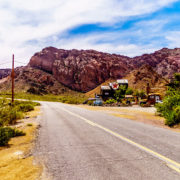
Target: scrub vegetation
(73,98)
(170,108)
(9,114)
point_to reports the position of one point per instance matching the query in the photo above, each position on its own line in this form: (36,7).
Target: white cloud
(22,21)
(174,39)
(90,42)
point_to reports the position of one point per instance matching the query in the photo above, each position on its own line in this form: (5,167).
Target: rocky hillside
(34,81)
(165,61)
(83,70)
(138,79)
(4,73)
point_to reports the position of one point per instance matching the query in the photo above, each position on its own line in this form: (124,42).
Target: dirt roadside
(16,160)
(145,115)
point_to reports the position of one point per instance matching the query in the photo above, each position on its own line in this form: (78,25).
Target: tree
(120,93)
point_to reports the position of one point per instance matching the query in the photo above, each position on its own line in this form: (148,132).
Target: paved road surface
(78,144)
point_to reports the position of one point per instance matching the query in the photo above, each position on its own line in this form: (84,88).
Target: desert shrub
(25,107)
(139,93)
(110,101)
(90,103)
(129,91)
(4,136)
(6,133)
(9,113)
(170,108)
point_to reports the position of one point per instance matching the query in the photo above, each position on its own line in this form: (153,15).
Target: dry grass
(17,163)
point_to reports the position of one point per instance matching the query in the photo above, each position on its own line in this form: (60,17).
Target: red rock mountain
(83,70)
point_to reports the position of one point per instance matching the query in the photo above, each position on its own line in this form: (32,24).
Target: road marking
(171,163)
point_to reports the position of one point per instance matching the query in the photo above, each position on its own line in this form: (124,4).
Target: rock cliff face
(85,69)
(4,73)
(165,61)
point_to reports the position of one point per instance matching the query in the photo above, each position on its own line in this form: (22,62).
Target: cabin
(123,82)
(106,92)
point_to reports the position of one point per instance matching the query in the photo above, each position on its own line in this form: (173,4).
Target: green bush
(6,133)
(110,101)
(140,93)
(90,103)
(170,108)
(10,113)
(129,91)
(4,136)
(25,107)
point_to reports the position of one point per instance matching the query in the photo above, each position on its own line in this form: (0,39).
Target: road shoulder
(17,161)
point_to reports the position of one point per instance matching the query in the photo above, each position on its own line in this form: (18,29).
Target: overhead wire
(5,63)
(20,62)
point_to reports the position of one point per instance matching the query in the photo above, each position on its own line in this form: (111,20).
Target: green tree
(120,93)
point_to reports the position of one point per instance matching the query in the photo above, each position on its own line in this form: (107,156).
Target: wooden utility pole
(12,77)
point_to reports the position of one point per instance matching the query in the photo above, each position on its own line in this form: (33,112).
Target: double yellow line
(170,163)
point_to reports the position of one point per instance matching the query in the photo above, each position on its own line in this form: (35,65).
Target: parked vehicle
(98,102)
(152,99)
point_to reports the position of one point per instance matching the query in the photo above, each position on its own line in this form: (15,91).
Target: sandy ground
(16,160)
(146,115)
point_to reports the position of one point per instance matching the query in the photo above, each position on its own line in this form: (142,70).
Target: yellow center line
(171,163)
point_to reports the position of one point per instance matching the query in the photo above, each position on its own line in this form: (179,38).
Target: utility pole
(12,77)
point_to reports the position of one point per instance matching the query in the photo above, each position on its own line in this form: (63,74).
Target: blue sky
(126,27)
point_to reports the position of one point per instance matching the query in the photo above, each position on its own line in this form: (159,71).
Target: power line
(5,63)
(14,61)
(20,62)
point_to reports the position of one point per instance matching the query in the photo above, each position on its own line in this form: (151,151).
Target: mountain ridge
(83,70)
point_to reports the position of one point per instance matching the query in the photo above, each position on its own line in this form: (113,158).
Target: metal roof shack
(122,81)
(106,92)
(105,88)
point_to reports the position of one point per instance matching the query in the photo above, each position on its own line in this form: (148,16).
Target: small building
(106,92)
(123,82)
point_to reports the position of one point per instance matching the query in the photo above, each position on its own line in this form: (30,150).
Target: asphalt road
(79,144)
